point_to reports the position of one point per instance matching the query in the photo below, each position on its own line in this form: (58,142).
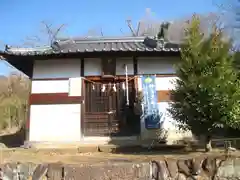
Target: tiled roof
(88,45)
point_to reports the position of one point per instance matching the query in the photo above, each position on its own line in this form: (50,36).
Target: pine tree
(207,94)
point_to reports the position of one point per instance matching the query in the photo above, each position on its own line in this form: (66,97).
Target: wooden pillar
(29,72)
(83,102)
(82,67)
(135,70)
(28,120)
(135,66)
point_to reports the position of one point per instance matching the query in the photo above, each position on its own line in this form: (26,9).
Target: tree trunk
(208,143)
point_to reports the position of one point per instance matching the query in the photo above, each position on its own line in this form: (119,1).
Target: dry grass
(73,157)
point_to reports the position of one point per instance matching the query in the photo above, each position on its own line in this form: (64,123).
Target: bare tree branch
(47,36)
(129,23)
(101,31)
(176,30)
(138,28)
(147,25)
(230,11)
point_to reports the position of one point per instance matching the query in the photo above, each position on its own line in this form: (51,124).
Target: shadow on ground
(161,149)
(13,140)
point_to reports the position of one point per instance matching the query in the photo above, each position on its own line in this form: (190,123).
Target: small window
(108,67)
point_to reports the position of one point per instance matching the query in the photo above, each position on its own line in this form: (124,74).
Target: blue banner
(150,106)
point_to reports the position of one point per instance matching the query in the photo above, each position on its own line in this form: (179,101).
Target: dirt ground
(70,157)
(74,156)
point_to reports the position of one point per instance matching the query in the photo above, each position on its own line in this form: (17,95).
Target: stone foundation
(205,168)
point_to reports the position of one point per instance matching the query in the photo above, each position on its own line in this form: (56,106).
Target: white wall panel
(92,67)
(50,86)
(165,83)
(57,68)
(75,86)
(120,70)
(59,123)
(160,65)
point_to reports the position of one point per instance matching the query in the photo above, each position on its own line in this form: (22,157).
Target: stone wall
(205,168)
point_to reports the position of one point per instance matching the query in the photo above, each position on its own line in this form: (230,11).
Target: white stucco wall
(146,65)
(57,68)
(93,66)
(120,62)
(75,86)
(72,86)
(156,65)
(50,86)
(56,122)
(66,68)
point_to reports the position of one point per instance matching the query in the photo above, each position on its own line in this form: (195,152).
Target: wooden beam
(99,78)
(50,79)
(165,75)
(135,65)
(82,67)
(54,98)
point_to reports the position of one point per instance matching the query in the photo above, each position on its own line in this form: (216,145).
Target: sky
(22,18)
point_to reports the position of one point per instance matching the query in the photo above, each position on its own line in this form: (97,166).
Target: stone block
(55,171)
(40,172)
(229,169)
(172,167)
(117,171)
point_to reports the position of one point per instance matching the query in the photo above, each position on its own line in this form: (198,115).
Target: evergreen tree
(207,93)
